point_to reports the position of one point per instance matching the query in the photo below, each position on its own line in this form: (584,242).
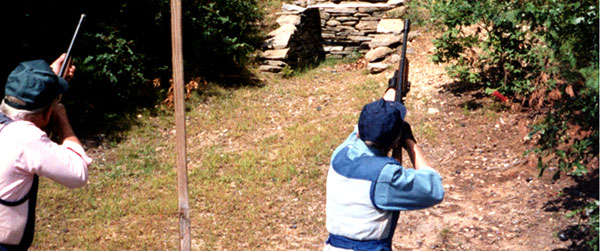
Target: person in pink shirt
(32,102)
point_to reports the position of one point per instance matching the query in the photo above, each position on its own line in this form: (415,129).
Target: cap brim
(63,85)
(401,108)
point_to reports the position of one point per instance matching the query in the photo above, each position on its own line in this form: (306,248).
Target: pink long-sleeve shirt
(25,150)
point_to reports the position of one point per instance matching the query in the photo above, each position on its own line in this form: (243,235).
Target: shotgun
(400,79)
(66,62)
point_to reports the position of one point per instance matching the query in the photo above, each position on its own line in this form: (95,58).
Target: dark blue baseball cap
(381,122)
(34,85)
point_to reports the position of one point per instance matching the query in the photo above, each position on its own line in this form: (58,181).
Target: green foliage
(486,43)
(544,52)
(594,222)
(287,72)
(352,57)
(123,52)
(529,49)
(219,35)
(590,210)
(115,63)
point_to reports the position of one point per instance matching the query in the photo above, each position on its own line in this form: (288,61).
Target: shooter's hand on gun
(59,122)
(58,63)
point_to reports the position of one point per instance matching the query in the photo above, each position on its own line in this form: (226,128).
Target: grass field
(257,159)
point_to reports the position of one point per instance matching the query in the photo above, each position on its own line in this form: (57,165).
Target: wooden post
(182,186)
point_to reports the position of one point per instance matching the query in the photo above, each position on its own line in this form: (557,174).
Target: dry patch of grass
(129,202)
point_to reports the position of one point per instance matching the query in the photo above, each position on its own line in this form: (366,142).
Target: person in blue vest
(31,102)
(366,189)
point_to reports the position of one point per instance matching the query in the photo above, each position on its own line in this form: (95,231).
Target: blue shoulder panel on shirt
(363,167)
(407,189)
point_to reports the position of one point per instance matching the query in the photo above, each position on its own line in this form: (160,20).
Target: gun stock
(401,79)
(67,62)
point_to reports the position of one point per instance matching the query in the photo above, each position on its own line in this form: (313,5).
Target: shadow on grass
(460,89)
(99,116)
(576,197)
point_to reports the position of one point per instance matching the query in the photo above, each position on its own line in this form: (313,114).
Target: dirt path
(494,198)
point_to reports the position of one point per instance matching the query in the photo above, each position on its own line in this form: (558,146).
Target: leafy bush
(543,53)
(220,34)
(123,53)
(537,51)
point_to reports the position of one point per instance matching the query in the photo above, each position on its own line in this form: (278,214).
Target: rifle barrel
(400,79)
(66,60)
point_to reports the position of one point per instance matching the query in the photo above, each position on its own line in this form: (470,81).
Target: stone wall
(370,27)
(296,43)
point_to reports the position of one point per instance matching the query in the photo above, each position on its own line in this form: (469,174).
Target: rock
(278,42)
(275,63)
(377,67)
(394,26)
(277,54)
(395,2)
(348,11)
(359,38)
(367,25)
(378,14)
(333,48)
(370,18)
(327,35)
(292,8)
(284,29)
(396,12)
(351,49)
(563,237)
(347,28)
(288,19)
(346,18)
(432,110)
(395,58)
(377,53)
(300,2)
(385,40)
(333,22)
(363,15)
(368,9)
(270,68)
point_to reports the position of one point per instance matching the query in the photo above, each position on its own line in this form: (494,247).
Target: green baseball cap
(34,85)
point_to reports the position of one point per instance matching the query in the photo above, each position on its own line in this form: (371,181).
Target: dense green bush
(123,54)
(543,53)
(220,35)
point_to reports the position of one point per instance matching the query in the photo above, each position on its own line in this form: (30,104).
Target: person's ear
(48,115)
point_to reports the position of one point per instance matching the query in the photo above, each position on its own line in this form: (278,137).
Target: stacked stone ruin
(310,30)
